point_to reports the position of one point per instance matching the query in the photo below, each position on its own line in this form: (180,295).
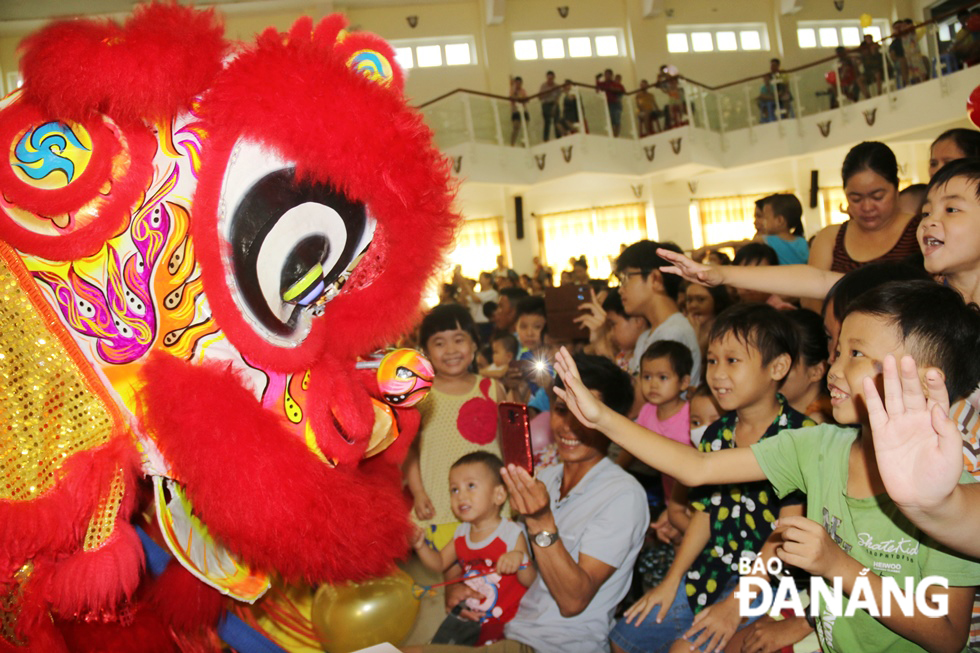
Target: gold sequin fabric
(47,412)
(103,521)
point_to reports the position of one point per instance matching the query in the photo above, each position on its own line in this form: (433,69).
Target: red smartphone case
(515,441)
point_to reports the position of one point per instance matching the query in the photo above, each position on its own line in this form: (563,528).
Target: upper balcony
(820,106)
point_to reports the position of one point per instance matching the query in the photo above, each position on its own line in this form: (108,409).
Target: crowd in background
(761,336)
(857,73)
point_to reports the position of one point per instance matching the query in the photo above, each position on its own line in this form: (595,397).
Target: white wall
(494,52)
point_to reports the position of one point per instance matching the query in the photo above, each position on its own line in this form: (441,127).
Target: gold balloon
(866,20)
(357,615)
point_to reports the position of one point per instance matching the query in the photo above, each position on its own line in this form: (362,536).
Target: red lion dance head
(197,242)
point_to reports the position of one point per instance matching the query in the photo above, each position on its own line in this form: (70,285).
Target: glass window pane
(850,36)
(553,48)
(807,37)
(874,31)
(428,56)
(404,57)
(828,37)
(726,41)
(525,49)
(750,39)
(701,41)
(944,32)
(579,46)
(458,54)
(606,46)
(677,43)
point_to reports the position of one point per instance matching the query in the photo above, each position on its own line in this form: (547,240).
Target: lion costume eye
(292,243)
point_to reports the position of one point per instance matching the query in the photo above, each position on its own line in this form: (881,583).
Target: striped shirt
(964,413)
(906,246)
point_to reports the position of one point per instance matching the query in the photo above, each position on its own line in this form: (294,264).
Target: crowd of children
(834,441)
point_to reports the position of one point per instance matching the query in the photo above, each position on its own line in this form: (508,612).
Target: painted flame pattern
(122,316)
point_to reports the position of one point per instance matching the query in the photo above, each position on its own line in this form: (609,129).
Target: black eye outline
(254,218)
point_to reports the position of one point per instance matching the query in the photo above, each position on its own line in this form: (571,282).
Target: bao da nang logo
(757,596)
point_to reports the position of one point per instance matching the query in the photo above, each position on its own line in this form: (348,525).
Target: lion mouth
(402,398)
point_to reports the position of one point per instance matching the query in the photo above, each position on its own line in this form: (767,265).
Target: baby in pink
(665,374)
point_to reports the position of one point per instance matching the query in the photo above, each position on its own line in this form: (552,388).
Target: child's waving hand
(918,447)
(579,399)
(689,270)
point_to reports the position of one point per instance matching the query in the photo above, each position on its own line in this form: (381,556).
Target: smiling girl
(458,417)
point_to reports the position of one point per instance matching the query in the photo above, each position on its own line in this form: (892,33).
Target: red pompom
(151,68)
(90,582)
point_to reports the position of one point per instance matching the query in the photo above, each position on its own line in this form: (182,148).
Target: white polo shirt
(676,327)
(606,517)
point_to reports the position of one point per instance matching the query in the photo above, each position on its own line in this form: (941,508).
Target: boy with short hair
(852,527)
(504,316)
(949,234)
(492,550)
(531,325)
(648,293)
(782,217)
(751,348)
(624,329)
(536,372)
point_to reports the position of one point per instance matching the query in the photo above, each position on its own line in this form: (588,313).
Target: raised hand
(593,317)
(584,405)
(690,270)
(918,447)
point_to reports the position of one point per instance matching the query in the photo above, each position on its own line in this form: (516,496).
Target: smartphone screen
(562,307)
(515,441)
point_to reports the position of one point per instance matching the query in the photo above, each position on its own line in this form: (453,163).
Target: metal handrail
(707,87)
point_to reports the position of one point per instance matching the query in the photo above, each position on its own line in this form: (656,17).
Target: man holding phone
(586,519)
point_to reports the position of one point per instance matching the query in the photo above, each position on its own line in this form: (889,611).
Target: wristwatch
(545,539)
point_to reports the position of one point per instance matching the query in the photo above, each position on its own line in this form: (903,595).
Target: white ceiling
(33,10)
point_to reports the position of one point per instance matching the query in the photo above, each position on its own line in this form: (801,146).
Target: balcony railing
(464,116)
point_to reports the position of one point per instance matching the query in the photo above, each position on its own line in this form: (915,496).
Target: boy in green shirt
(851,525)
